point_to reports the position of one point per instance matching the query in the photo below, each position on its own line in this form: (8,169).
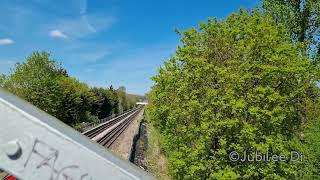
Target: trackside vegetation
(239,84)
(43,82)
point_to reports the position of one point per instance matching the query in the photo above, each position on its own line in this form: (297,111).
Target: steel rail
(103,126)
(111,137)
(107,133)
(94,125)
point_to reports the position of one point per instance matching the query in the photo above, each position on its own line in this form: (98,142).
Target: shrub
(238,84)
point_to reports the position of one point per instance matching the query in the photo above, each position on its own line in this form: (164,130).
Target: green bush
(238,84)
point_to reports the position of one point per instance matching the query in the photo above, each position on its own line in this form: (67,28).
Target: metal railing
(35,145)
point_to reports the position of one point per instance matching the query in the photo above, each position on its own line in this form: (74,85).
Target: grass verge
(156,160)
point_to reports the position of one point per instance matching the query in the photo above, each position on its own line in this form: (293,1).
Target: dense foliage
(43,82)
(302,19)
(239,84)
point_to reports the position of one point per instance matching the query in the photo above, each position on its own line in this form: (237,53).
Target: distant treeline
(41,81)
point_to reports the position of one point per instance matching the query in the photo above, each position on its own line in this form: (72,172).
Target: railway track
(106,133)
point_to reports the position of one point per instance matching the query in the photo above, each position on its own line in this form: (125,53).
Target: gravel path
(122,146)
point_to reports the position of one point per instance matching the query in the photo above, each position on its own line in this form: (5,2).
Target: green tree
(41,81)
(301,17)
(36,81)
(76,100)
(239,84)
(122,96)
(2,80)
(105,104)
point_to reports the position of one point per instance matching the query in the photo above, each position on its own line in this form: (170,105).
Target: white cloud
(6,41)
(58,34)
(83,25)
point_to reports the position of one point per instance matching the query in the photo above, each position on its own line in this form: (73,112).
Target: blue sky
(103,42)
